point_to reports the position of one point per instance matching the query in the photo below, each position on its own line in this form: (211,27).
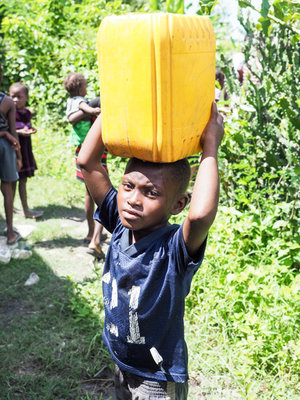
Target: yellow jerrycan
(157,83)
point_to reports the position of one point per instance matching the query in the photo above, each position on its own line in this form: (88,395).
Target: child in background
(10,161)
(220,92)
(150,264)
(80,114)
(19,93)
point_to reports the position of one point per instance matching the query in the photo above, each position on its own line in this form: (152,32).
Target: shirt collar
(142,244)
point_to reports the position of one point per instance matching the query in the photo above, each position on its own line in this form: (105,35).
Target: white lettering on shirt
(106,277)
(134,329)
(113,329)
(114,295)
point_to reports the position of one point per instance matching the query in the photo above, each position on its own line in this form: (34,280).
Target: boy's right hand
(96,111)
(214,130)
(13,141)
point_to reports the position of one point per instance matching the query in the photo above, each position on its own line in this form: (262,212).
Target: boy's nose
(135,198)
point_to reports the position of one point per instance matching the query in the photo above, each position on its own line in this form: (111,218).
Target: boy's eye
(152,193)
(127,185)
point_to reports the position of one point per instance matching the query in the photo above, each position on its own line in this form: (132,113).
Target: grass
(45,353)
(50,334)
(242,321)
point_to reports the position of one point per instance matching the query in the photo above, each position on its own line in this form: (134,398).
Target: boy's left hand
(214,130)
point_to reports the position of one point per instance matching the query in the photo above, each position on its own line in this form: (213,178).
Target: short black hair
(73,83)
(180,171)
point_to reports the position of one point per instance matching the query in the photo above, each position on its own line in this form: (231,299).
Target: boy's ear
(179,204)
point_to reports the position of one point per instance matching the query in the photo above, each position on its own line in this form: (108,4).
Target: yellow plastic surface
(157,82)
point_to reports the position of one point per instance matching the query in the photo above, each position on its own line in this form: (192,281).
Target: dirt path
(58,251)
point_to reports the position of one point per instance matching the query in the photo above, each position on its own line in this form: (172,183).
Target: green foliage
(45,40)
(244,300)
(242,319)
(261,146)
(175,6)
(206,6)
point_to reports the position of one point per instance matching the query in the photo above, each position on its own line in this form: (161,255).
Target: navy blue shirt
(144,288)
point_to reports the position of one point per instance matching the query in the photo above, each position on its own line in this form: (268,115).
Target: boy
(10,160)
(150,263)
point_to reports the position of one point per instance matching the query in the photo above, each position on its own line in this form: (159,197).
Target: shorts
(8,162)
(79,175)
(133,387)
(194,160)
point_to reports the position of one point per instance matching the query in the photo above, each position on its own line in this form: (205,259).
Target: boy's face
(19,97)
(146,198)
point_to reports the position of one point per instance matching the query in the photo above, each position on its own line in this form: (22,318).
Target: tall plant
(263,148)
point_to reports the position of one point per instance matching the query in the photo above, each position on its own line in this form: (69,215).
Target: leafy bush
(241,308)
(261,148)
(43,41)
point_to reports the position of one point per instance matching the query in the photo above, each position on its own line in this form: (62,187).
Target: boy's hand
(214,130)
(13,141)
(96,111)
(26,131)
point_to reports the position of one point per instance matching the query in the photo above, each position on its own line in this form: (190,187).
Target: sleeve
(73,104)
(183,261)
(23,121)
(29,118)
(107,213)
(20,125)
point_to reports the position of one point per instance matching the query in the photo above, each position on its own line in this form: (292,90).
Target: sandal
(5,231)
(34,214)
(17,238)
(95,252)
(87,240)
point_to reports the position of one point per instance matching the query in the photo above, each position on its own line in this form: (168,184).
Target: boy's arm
(11,139)
(89,158)
(76,117)
(11,119)
(205,197)
(88,109)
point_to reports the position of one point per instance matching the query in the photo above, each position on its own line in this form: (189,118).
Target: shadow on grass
(50,338)
(52,211)
(61,242)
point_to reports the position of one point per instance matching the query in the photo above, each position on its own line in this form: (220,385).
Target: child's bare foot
(33,214)
(13,238)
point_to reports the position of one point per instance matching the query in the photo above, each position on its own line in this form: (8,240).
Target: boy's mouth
(130,214)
